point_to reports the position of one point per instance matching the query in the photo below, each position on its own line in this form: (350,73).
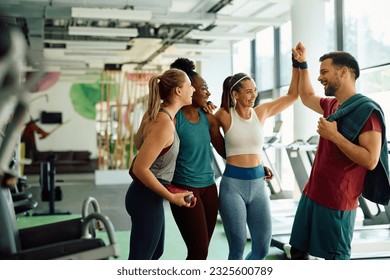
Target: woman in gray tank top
(154,164)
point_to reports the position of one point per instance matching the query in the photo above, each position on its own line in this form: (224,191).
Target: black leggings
(146,210)
(197,224)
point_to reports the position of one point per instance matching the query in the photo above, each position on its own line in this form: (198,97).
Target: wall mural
(85,97)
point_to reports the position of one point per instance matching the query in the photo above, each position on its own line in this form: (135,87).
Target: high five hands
(299,52)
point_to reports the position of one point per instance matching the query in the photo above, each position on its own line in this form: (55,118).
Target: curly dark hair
(186,65)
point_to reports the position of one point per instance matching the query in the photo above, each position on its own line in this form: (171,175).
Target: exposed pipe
(182,33)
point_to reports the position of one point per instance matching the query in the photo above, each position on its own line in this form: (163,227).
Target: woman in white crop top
(243,196)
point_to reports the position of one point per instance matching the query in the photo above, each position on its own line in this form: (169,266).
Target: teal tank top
(194,161)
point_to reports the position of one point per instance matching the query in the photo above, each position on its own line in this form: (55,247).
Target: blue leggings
(146,210)
(244,200)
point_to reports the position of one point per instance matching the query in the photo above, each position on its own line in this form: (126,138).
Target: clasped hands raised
(299,53)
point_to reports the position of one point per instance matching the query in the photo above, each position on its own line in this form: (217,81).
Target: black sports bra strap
(166,112)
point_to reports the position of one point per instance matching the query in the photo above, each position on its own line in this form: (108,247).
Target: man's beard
(332,89)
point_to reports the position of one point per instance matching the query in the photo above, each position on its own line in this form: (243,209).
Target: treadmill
(300,154)
(282,204)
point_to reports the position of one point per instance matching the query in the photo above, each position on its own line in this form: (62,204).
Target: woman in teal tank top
(194,171)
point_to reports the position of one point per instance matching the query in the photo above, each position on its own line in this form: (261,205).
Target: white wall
(78,134)
(214,71)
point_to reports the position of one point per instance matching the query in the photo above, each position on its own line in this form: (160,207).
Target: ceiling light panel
(231,21)
(89,44)
(119,14)
(96,45)
(184,18)
(105,32)
(201,48)
(172,57)
(210,35)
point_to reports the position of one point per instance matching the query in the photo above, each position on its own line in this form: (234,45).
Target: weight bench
(71,239)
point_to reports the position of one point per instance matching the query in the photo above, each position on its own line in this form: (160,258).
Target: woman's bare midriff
(246,160)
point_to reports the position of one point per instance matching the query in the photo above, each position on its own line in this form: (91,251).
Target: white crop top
(244,136)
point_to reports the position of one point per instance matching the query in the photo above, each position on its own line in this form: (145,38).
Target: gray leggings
(245,201)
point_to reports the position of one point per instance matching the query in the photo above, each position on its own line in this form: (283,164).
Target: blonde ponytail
(161,89)
(154,97)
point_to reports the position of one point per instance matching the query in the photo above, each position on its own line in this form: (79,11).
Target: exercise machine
(50,192)
(283,207)
(270,141)
(301,155)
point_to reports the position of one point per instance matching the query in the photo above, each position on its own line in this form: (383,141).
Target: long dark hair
(230,84)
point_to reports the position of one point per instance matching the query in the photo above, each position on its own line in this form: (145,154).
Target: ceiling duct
(181,34)
(155,26)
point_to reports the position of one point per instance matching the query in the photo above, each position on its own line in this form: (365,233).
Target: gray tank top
(164,166)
